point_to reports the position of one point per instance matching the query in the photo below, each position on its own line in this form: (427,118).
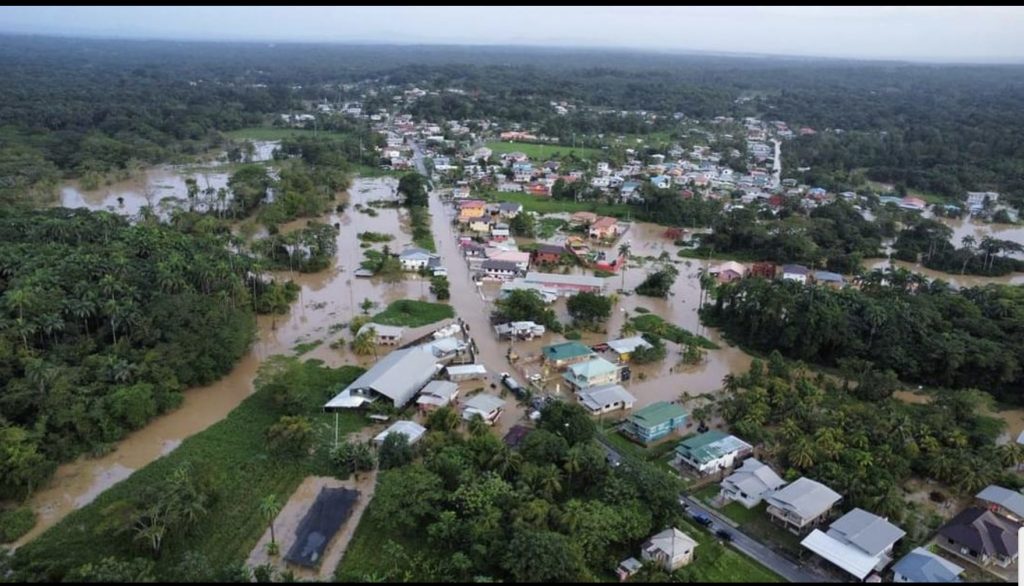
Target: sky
(916,33)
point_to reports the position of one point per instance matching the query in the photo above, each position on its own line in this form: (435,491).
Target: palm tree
(624,250)
(801,453)
(573,462)
(366,342)
(968,243)
(269,508)
(549,481)
(477,426)
(1010,454)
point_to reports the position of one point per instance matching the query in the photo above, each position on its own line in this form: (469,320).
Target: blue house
(661,181)
(655,421)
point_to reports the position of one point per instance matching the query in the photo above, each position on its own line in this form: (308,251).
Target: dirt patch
(294,510)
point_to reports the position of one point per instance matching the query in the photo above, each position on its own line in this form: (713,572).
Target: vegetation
(929,241)
(864,448)
(308,250)
(413,314)
(525,305)
(656,352)
(16,522)
(541,152)
(658,283)
(439,287)
(375,237)
(896,320)
(103,324)
(655,325)
(589,309)
(228,470)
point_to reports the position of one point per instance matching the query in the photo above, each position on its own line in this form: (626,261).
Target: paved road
(782,566)
(777,163)
(743,543)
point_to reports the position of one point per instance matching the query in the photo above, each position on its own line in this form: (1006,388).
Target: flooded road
(326,298)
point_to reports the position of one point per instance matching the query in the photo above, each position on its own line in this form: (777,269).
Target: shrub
(16,522)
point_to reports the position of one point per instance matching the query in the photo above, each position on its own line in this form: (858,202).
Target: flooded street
(326,298)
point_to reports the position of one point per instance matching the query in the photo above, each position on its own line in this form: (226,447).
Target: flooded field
(159,187)
(955,280)
(326,298)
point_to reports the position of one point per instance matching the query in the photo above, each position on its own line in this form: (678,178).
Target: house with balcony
(751,483)
(561,356)
(711,451)
(591,373)
(859,542)
(605,398)
(655,421)
(802,505)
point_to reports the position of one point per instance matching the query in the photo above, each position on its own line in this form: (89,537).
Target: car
(702,519)
(535,377)
(724,535)
(504,375)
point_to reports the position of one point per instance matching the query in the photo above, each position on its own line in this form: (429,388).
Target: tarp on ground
(332,508)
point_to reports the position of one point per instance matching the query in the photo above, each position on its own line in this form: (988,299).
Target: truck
(511,384)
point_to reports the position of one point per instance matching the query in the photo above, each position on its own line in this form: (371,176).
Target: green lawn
(759,527)
(412,313)
(547,205)
(541,152)
(714,562)
(235,450)
(656,325)
(275,133)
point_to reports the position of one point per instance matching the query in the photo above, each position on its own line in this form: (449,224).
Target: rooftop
(1010,500)
(805,497)
(710,446)
(597,397)
(866,531)
(921,565)
(657,413)
(566,350)
(410,429)
(592,368)
(983,531)
(626,345)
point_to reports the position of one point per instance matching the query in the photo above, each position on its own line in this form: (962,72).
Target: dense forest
(103,324)
(77,106)
(897,320)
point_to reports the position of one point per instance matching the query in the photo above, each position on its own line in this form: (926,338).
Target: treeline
(928,241)
(833,236)
(866,449)
(897,320)
(103,324)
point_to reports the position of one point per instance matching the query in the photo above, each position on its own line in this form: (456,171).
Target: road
(789,570)
(777,164)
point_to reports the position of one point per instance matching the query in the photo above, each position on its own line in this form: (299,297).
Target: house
(473,249)
(473,208)
(508,187)
(671,549)
(655,421)
(976,200)
(486,406)
(921,565)
(463,372)
(481,225)
(834,280)
(751,483)
(624,347)
(444,348)
(548,254)
(500,231)
(518,258)
(482,153)
(796,273)
(547,295)
(509,209)
(524,330)
(397,377)
(583,218)
(604,227)
(566,283)
(859,542)
(591,373)
(980,536)
(410,429)
(913,203)
(414,259)
(764,270)
(565,354)
(1002,501)
(386,335)
(661,181)
(711,451)
(516,435)
(627,568)
(522,172)
(605,398)
(802,504)
(499,269)
(728,271)
(437,393)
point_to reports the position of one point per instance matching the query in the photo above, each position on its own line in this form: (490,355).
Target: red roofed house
(604,227)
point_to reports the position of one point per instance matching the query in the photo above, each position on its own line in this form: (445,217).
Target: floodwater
(955,280)
(158,187)
(970,227)
(326,298)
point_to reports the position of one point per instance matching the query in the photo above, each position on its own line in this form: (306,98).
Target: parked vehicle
(511,384)
(724,535)
(702,519)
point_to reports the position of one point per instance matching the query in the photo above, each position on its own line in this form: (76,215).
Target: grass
(541,152)
(412,313)
(235,449)
(654,324)
(547,205)
(305,347)
(931,198)
(546,227)
(714,562)
(16,522)
(759,527)
(419,219)
(275,133)
(374,237)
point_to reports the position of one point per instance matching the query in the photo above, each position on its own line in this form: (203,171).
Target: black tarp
(327,514)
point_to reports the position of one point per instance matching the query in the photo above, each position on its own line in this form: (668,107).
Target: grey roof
(922,565)
(558,279)
(438,392)
(866,531)
(499,265)
(754,478)
(409,429)
(828,277)
(983,531)
(484,402)
(399,375)
(1010,500)
(597,397)
(383,330)
(805,497)
(795,269)
(626,345)
(671,541)
(415,253)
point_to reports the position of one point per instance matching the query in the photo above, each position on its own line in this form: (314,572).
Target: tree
(395,451)
(407,497)
(113,570)
(589,309)
(658,283)
(366,305)
(439,287)
(525,305)
(523,224)
(269,508)
(542,556)
(292,434)
(444,419)
(567,420)
(624,250)
(366,342)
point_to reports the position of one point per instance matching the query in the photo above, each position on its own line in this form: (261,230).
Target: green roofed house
(712,451)
(567,353)
(655,421)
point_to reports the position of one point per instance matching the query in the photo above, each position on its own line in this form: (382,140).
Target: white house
(414,259)
(486,406)
(410,429)
(671,549)
(859,542)
(605,398)
(711,451)
(751,483)
(796,273)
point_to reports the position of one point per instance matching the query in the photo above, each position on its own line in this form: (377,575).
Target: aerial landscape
(309,301)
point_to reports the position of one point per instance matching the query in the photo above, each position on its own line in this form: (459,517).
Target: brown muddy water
(159,187)
(326,298)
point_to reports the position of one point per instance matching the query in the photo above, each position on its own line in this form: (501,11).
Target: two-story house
(802,504)
(751,483)
(655,421)
(711,451)
(859,542)
(592,373)
(565,354)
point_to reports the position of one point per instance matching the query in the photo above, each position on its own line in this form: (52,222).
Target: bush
(573,335)
(16,522)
